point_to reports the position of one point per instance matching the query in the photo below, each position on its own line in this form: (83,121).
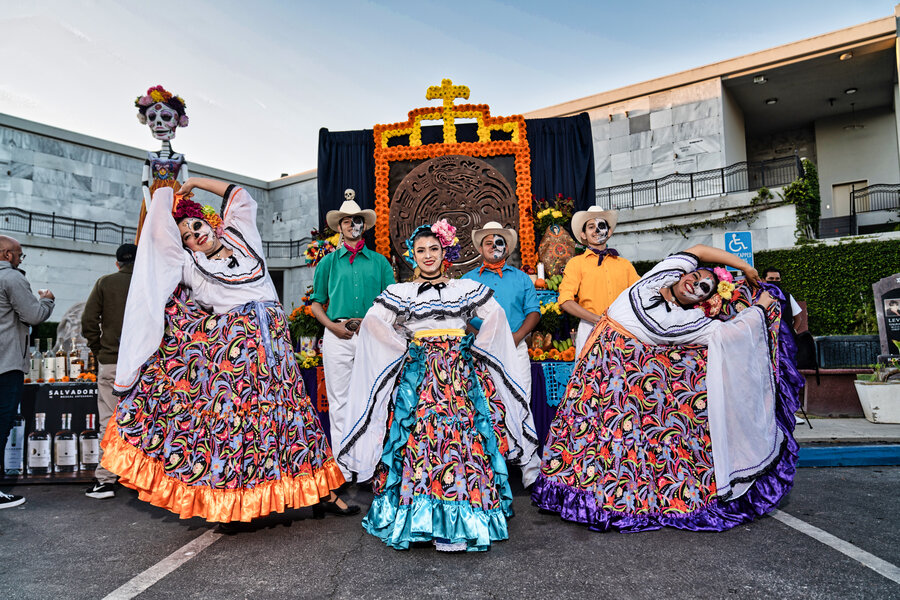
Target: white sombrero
(594,212)
(349,209)
(495,228)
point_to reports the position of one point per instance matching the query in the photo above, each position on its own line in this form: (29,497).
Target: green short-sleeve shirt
(350,290)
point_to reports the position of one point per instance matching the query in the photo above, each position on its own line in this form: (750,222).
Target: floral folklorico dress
(439,414)
(672,418)
(213,420)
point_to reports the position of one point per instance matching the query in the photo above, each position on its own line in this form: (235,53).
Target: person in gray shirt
(19,310)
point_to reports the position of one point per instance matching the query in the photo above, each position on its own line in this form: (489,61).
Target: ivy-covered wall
(835,281)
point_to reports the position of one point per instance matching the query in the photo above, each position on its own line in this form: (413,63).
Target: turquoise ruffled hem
(427,519)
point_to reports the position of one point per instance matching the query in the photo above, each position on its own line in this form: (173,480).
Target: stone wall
(646,138)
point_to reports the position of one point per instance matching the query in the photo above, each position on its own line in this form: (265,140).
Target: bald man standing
(19,310)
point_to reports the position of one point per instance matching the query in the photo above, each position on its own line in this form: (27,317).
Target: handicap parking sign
(740,243)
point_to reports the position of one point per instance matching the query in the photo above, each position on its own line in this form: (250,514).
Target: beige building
(695,145)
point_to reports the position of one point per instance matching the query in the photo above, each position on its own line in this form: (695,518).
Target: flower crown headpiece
(446,235)
(160,94)
(185,208)
(713,306)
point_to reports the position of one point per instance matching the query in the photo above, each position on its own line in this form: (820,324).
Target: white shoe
(10,500)
(799,421)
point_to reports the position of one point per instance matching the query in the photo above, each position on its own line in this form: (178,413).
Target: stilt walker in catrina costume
(213,421)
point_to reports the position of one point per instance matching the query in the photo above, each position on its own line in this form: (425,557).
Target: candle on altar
(540,270)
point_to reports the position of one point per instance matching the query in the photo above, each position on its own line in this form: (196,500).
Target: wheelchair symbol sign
(740,243)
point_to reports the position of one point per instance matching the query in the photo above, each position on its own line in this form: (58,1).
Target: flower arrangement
(540,354)
(551,318)
(302,322)
(516,146)
(322,244)
(308,360)
(559,211)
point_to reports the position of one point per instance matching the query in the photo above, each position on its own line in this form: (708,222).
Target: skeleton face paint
(499,247)
(697,286)
(197,235)
(357,228)
(162,121)
(596,231)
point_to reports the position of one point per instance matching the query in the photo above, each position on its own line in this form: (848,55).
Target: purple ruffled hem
(763,496)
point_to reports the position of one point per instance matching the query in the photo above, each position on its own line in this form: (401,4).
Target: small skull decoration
(349,195)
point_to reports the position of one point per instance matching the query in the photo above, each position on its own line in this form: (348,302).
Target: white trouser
(337,359)
(584,332)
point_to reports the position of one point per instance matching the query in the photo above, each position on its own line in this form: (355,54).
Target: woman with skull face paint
(443,409)
(213,421)
(680,409)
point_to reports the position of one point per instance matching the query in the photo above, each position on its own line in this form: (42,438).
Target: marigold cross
(447,92)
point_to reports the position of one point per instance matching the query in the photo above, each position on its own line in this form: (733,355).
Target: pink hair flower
(723,274)
(445,232)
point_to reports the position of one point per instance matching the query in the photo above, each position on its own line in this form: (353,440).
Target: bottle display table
(53,399)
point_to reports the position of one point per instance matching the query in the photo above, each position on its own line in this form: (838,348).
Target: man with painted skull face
(592,280)
(347,281)
(513,289)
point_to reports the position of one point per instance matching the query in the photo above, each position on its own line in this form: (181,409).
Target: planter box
(834,395)
(880,401)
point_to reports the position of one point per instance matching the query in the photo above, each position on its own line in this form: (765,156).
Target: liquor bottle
(48,362)
(39,448)
(13,464)
(59,363)
(65,447)
(34,368)
(91,362)
(76,365)
(90,444)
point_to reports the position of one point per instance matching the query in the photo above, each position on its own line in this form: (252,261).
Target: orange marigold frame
(517,146)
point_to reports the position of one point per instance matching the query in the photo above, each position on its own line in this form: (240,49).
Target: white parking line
(144,580)
(882,567)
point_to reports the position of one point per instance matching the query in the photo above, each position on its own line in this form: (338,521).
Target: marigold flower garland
(485,146)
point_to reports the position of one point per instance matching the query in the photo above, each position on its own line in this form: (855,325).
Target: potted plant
(305,328)
(879,393)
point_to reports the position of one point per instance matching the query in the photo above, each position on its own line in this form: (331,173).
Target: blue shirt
(514,291)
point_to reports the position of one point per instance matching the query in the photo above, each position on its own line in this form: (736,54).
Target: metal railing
(17,220)
(878,196)
(64,228)
(739,177)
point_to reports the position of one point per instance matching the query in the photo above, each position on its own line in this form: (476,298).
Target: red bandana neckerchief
(354,250)
(495,267)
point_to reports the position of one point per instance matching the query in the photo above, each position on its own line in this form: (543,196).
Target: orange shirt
(593,287)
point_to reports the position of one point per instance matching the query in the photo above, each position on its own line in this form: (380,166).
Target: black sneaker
(101,490)
(10,500)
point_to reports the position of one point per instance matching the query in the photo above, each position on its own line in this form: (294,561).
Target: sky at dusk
(261,78)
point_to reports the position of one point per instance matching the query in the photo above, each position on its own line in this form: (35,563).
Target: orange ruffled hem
(147,475)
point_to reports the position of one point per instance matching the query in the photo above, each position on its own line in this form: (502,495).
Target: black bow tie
(428,285)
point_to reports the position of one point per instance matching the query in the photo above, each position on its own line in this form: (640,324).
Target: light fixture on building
(771,100)
(846,56)
(849,91)
(854,125)
(760,79)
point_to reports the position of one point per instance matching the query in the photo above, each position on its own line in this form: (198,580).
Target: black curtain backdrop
(562,161)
